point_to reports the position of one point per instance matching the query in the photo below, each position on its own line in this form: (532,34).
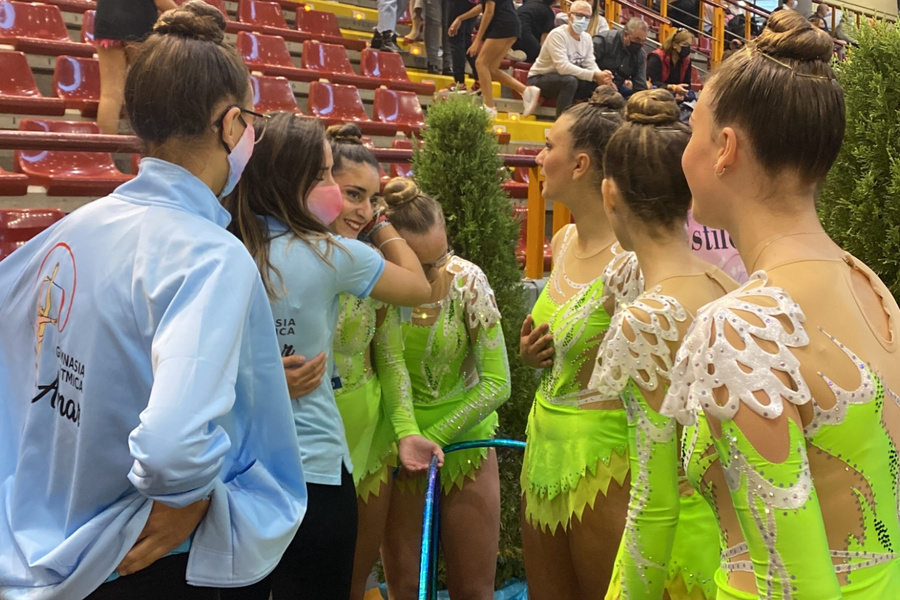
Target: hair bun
(399,191)
(788,35)
(652,107)
(195,20)
(605,97)
(345,133)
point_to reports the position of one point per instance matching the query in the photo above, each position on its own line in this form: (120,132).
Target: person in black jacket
(537,20)
(622,53)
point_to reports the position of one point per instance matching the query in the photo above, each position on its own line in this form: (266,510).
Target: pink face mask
(325,202)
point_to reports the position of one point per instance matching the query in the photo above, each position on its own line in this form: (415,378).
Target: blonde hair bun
(788,35)
(194,20)
(652,107)
(400,191)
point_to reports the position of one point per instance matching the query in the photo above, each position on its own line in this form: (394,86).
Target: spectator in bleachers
(536,19)
(669,66)
(119,28)
(498,31)
(144,416)
(598,22)
(460,32)
(565,69)
(685,13)
(437,38)
(281,210)
(622,53)
(384,38)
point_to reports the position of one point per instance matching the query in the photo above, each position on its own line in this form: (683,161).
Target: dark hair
(594,122)
(781,91)
(183,72)
(643,158)
(409,209)
(347,145)
(282,171)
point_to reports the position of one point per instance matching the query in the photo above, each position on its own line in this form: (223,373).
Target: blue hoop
(431,525)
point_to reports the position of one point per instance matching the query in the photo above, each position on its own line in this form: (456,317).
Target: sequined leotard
(819,521)
(671,537)
(457,362)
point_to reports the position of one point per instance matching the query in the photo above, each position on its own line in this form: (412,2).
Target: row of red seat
(38,28)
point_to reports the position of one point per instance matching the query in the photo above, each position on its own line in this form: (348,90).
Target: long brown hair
(643,158)
(283,170)
(593,123)
(781,91)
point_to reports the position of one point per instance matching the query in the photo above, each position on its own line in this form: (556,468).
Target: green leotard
(777,506)
(573,454)
(375,394)
(458,384)
(671,536)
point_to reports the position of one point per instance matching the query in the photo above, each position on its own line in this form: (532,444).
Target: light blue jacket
(139,363)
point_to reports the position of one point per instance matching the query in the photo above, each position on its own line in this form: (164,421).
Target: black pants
(528,44)
(318,565)
(166,579)
(565,88)
(460,42)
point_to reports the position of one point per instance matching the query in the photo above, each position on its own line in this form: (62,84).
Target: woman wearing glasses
(459,370)
(281,211)
(145,425)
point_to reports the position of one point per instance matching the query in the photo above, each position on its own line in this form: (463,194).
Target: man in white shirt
(566,69)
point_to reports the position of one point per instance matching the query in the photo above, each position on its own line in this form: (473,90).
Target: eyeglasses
(258,132)
(441,262)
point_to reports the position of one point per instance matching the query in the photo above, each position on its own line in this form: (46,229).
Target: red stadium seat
(331,61)
(521,212)
(68,173)
(19,93)
(517,187)
(77,82)
(269,55)
(13,184)
(389,68)
(37,29)
(399,108)
(704,45)
(323,26)
(696,82)
(73,6)
(271,94)
(18,225)
(87,27)
(335,103)
(268,18)
(401,169)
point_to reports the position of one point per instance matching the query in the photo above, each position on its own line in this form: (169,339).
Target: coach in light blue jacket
(138,359)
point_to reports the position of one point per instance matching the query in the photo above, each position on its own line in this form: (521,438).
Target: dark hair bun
(788,35)
(607,98)
(345,133)
(652,107)
(400,191)
(195,20)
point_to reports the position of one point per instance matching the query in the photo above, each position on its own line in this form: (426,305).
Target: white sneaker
(490,110)
(516,55)
(530,98)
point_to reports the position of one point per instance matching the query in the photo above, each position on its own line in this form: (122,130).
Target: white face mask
(579,25)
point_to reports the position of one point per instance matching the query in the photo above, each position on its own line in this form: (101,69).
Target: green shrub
(860,202)
(459,165)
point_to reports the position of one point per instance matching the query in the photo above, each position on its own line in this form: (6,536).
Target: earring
(719,173)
